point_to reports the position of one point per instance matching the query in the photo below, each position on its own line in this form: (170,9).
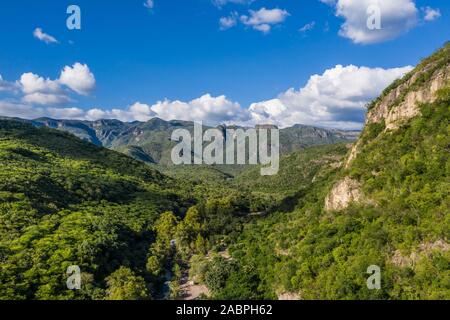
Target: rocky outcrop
(353,153)
(402,103)
(343,194)
(424,250)
(289,296)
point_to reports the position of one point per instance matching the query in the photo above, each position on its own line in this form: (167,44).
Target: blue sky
(177,51)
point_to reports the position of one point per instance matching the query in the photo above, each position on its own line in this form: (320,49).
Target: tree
(217,273)
(165,226)
(188,230)
(161,250)
(123,284)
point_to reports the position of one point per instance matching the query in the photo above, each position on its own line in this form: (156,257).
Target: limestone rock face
(288,296)
(403,102)
(423,251)
(343,194)
(408,106)
(353,153)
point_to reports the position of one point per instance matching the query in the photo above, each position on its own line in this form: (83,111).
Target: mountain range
(151,141)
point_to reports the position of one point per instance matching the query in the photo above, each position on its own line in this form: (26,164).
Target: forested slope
(67,202)
(388,206)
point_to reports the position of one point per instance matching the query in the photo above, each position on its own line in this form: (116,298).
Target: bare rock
(343,194)
(395,115)
(422,251)
(288,296)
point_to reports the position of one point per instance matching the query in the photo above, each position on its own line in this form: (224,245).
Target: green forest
(139,230)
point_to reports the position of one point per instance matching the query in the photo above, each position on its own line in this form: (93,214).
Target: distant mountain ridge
(150,141)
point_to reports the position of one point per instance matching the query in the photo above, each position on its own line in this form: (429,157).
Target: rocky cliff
(397,105)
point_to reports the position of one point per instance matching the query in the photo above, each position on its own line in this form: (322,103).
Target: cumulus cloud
(78,78)
(64,113)
(44,91)
(46,98)
(263,19)
(32,83)
(41,91)
(206,108)
(431,14)
(136,112)
(397,18)
(42,36)
(337,98)
(37,90)
(209,109)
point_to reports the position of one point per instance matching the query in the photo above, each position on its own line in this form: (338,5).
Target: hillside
(67,202)
(387,205)
(298,171)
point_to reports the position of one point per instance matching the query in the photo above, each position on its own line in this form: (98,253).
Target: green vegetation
(137,233)
(323,255)
(67,202)
(297,171)
(123,284)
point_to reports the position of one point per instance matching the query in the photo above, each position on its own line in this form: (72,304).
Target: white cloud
(46,98)
(32,83)
(20,110)
(78,78)
(221,3)
(26,111)
(3,84)
(149,4)
(136,112)
(206,108)
(337,98)
(64,113)
(41,35)
(307,27)
(37,90)
(263,19)
(329,2)
(264,28)
(431,14)
(228,22)
(212,110)
(6,86)
(397,18)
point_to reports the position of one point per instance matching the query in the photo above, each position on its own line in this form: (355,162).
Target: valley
(103,196)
